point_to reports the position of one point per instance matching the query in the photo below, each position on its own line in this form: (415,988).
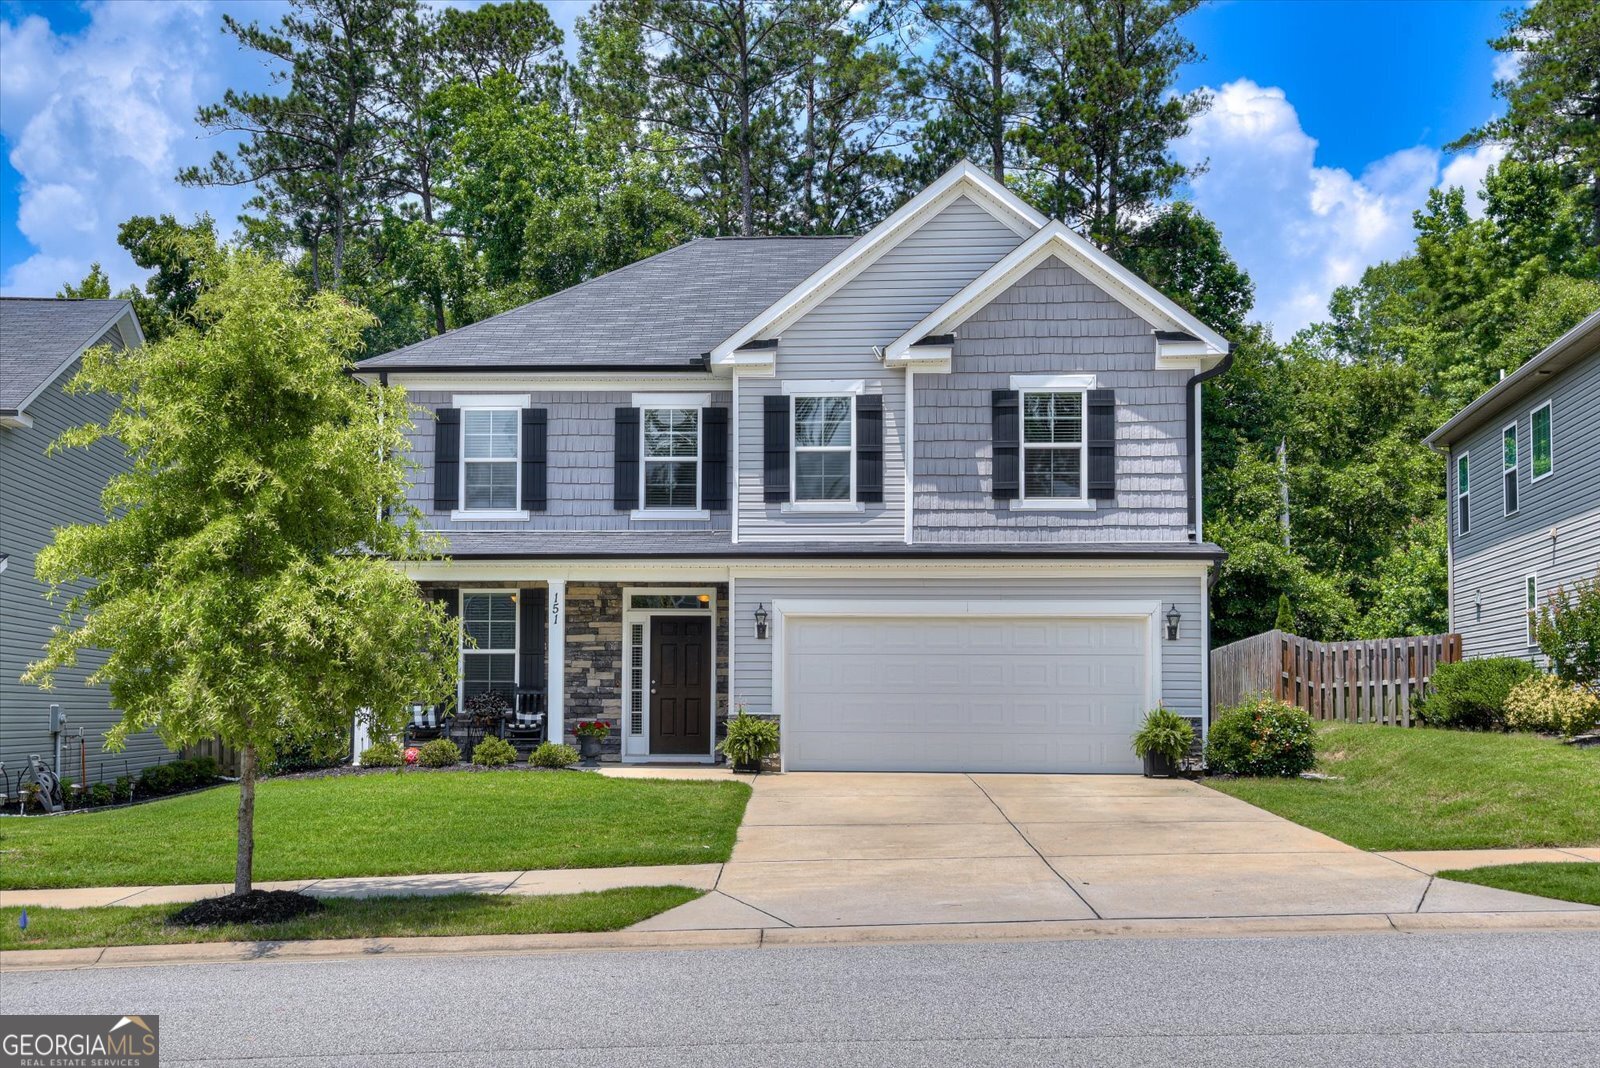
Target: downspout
(1191,396)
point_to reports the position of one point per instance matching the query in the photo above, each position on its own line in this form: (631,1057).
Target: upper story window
(1543,435)
(1052,445)
(490,663)
(824,445)
(1509,478)
(489,454)
(1463,500)
(671,458)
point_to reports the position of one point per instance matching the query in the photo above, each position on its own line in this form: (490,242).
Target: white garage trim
(782,610)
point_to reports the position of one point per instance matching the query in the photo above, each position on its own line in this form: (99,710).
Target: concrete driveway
(848,849)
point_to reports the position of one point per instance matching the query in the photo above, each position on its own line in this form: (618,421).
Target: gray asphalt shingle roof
(39,334)
(664,311)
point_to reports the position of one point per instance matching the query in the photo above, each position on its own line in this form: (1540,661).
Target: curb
(1045,930)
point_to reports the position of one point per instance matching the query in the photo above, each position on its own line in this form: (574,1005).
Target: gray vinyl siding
(835,341)
(1491,562)
(582,427)
(37,494)
(1053,321)
(1182,662)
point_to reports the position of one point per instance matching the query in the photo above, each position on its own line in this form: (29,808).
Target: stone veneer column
(555,662)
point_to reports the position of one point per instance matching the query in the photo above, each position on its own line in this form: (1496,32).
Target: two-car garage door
(963,693)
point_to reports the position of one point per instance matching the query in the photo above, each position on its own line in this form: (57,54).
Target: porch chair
(427,723)
(524,724)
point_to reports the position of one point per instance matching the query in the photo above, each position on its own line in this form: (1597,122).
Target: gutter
(1191,396)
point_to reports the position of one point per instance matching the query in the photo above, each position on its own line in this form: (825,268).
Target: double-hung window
(1542,434)
(1463,497)
(824,446)
(1052,445)
(671,460)
(489,662)
(489,459)
(1508,437)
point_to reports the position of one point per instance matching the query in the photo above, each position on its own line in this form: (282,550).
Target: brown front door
(680,685)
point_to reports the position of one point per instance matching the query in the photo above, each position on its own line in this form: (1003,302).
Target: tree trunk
(244,861)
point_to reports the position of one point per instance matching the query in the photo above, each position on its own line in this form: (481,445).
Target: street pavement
(1386,1000)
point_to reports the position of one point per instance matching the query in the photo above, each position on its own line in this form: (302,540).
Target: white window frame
(1081,501)
(491,404)
(1547,406)
(667,403)
(1530,591)
(461,640)
(1464,497)
(1509,497)
(843,504)
(636,748)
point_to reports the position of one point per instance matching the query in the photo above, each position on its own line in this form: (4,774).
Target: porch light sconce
(1174,617)
(761,621)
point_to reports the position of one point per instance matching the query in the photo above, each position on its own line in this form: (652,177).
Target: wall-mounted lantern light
(761,621)
(1174,617)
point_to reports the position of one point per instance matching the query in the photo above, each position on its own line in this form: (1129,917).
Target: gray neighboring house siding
(38,494)
(1554,533)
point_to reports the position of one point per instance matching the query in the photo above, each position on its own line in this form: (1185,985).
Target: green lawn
(388,824)
(1565,882)
(392,917)
(1414,788)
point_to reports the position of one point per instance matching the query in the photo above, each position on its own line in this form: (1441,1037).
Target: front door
(680,685)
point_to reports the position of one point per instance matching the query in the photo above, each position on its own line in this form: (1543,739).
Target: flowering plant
(411,754)
(591,728)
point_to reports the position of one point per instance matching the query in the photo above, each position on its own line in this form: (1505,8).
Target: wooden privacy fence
(226,756)
(1372,681)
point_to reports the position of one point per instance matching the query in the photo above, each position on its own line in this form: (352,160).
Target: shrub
(1262,737)
(328,751)
(750,739)
(1164,733)
(1550,705)
(494,752)
(1568,629)
(439,753)
(178,776)
(553,755)
(100,794)
(381,755)
(122,789)
(1471,694)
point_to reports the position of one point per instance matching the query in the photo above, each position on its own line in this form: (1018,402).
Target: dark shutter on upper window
(531,670)
(1102,440)
(535,431)
(775,449)
(714,459)
(869,448)
(625,468)
(1007,434)
(446,459)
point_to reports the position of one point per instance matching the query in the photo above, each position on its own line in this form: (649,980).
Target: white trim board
(702,570)
(631,615)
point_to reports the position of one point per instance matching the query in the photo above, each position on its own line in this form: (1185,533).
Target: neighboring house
(928,496)
(1523,483)
(41,344)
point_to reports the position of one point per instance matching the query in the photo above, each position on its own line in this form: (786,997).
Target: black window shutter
(531,670)
(446,459)
(1007,433)
(625,468)
(775,449)
(535,453)
(1102,445)
(714,459)
(869,448)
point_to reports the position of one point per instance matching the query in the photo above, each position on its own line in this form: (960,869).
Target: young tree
(244,583)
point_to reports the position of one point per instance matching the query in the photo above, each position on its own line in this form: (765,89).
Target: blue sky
(1326,134)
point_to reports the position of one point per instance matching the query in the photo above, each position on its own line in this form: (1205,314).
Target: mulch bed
(412,769)
(257,907)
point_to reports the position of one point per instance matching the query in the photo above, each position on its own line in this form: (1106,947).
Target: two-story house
(1523,484)
(929,496)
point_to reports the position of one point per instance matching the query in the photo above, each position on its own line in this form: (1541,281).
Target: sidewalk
(1431,861)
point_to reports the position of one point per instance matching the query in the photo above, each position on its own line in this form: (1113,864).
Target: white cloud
(1302,230)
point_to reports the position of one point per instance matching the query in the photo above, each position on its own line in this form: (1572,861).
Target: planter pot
(589,749)
(750,767)
(1159,766)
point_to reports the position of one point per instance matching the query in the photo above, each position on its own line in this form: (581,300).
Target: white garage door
(963,694)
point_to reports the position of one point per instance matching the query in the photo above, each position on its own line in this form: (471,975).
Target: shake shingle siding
(1053,321)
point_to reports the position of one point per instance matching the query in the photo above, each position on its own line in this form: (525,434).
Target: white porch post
(556,660)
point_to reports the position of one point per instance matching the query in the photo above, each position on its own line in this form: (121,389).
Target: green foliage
(327,749)
(1164,733)
(177,254)
(95,286)
(1568,630)
(494,752)
(178,776)
(750,739)
(553,755)
(1262,737)
(385,754)
(1471,694)
(439,753)
(1412,586)
(1285,619)
(122,789)
(1181,253)
(101,793)
(1551,705)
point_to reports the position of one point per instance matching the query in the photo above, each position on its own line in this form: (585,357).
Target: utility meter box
(58,719)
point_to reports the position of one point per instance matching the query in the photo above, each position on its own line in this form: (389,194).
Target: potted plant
(590,732)
(750,740)
(486,709)
(1163,742)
